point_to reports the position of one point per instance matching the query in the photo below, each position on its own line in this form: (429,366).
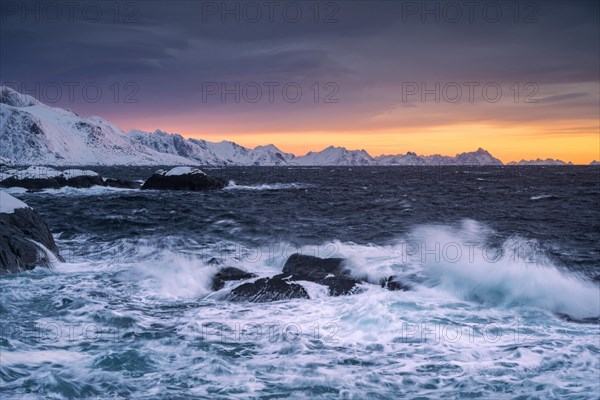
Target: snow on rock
(37,172)
(25,239)
(37,178)
(33,172)
(183,171)
(72,173)
(183,178)
(8,203)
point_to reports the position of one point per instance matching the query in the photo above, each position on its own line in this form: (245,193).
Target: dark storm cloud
(171,48)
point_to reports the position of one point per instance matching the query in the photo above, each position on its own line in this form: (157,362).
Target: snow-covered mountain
(175,144)
(409,158)
(35,134)
(478,157)
(335,156)
(209,153)
(4,161)
(539,161)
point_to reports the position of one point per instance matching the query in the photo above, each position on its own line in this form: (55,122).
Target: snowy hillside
(33,133)
(209,153)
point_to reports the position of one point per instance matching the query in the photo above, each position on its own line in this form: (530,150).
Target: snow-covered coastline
(32,133)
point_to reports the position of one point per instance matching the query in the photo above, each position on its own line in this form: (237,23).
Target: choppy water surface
(504,265)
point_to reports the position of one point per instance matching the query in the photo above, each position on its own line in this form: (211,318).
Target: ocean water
(504,265)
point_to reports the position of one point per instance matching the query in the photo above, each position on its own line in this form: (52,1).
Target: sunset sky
(361,66)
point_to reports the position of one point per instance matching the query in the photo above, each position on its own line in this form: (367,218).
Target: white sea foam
(462,262)
(480,323)
(542,196)
(267,186)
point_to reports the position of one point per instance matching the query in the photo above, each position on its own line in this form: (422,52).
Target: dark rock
(82,181)
(118,183)
(213,261)
(229,274)
(268,289)
(195,180)
(392,283)
(324,271)
(329,272)
(37,178)
(32,183)
(18,231)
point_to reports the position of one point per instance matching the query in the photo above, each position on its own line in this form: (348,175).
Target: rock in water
(392,283)
(36,178)
(324,271)
(183,178)
(268,289)
(25,239)
(329,272)
(80,179)
(229,274)
(118,183)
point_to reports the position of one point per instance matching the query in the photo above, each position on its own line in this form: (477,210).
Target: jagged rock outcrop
(183,178)
(36,178)
(392,283)
(329,272)
(25,239)
(229,274)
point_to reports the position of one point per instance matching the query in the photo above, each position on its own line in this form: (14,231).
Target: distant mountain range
(539,161)
(32,133)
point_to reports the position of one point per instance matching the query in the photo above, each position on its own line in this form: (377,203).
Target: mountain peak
(268,147)
(12,98)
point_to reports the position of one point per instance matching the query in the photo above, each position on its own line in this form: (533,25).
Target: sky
(520,79)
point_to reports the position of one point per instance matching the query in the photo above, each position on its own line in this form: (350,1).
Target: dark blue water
(504,262)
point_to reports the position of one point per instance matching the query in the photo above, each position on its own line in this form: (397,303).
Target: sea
(503,265)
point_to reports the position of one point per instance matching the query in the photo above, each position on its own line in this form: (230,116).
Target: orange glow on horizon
(507,143)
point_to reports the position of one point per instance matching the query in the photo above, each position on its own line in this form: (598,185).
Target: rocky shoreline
(25,239)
